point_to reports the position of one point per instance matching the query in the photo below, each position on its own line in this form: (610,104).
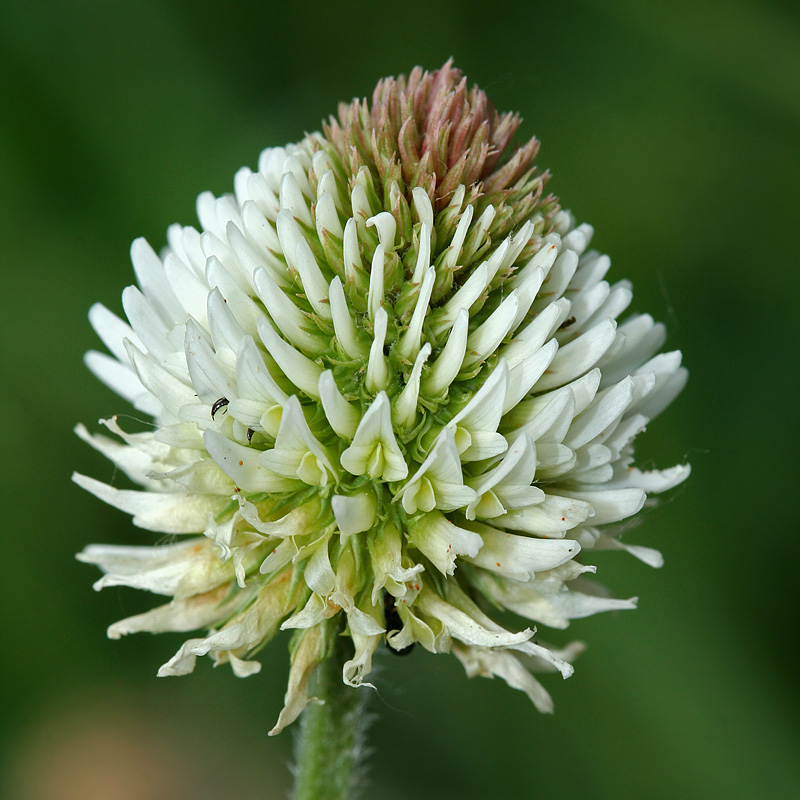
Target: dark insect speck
(566,323)
(221,403)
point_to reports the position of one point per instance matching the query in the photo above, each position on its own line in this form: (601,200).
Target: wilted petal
(308,651)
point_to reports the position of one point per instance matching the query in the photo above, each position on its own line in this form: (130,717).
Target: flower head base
(389,388)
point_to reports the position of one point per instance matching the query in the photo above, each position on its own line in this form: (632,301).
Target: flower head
(389,391)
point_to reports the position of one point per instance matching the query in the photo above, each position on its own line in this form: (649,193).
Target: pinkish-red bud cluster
(432,130)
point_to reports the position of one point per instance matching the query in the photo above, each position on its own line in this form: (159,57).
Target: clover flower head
(390,392)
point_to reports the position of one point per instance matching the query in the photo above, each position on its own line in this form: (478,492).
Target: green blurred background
(673,128)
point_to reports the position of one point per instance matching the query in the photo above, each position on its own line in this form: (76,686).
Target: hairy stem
(331,746)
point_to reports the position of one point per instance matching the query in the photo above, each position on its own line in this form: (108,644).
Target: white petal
(246,312)
(253,379)
(422,205)
(250,186)
(655,481)
(193,291)
(167,512)
(312,613)
(472,289)
(576,605)
(593,268)
(314,283)
(293,445)
(377,377)
(291,199)
(424,252)
(241,465)
(209,379)
(606,409)
(441,541)
(625,432)
(618,300)
(523,377)
(485,339)
(342,415)
(363,624)
(354,513)
(179,616)
(596,539)
(662,396)
(301,371)
(184,569)
(517,470)
(580,355)
(482,416)
(527,290)
(441,473)
(434,637)
(133,462)
(409,344)
(578,239)
(385,549)
(466,629)
(123,381)
(184,241)
(489,662)
(448,364)
(538,416)
(254,626)
(353,266)
(359,202)
(327,218)
(376,276)
(319,575)
(279,558)
(374,449)
(151,278)
(385,224)
(641,338)
(405,406)
(541,262)
(343,324)
(265,245)
(517,244)
(557,279)
(226,333)
(112,330)
(301,520)
(520,557)
(610,505)
(214,213)
(298,164)
(286,315)
(481,227)
(169,390)
(552,517)
(453,251)
(528,341)
(584,305)
(214,247)
(308,653)
(358,667)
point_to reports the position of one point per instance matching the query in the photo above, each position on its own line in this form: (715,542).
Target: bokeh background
(673,127)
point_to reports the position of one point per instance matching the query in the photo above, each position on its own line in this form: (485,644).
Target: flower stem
(330,748)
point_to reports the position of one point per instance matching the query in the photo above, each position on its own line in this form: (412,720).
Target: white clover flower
(390,391)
